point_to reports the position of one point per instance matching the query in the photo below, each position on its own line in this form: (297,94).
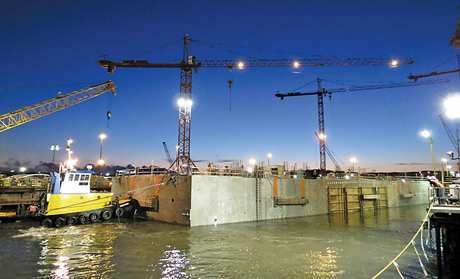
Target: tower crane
(27,114)
(189,64)
(322,92)
(337,166)
(416,77)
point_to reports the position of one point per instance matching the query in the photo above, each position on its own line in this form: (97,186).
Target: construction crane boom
(190,63)
(337,166)
(449,133)
(320,94)
(168,156)
(362,88)
(416,77)
(241,63)
(27,114)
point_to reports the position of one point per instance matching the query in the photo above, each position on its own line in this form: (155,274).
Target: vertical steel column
(322,134)
(438,250)
(185,117)
(258,194)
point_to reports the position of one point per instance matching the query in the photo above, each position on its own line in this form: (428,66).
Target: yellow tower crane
(27,114)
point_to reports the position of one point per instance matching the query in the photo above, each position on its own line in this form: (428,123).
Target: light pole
(269,155)
(427,134)
(353,160)
(54,148)
(102,137)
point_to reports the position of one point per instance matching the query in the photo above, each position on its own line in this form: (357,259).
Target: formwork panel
(382,191)
(336,199)
(353,199)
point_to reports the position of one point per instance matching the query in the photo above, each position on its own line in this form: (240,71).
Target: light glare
(452,105)
(425,134)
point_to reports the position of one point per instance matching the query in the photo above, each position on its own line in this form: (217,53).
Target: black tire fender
(59,222)
(47,223)
(71,221)
(83,219)
(94,217)
(106,214)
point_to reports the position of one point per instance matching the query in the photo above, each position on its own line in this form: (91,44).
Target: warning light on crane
(240,65)
(184,103)
(296,64)
(394,63)
(322,136)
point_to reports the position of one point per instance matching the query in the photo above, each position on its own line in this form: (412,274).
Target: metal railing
(445,195)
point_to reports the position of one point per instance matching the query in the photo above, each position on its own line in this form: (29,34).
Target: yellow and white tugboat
(71,201)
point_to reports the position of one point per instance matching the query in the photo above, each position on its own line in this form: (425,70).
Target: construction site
(179,189)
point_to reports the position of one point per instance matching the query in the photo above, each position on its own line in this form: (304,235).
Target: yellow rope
(407,246)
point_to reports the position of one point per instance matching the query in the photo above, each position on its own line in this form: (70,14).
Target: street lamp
(269,155)
(353,160)
(22,169)
(427,134)
(102,137)
(54,148)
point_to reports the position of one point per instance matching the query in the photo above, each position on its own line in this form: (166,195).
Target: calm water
(353,246)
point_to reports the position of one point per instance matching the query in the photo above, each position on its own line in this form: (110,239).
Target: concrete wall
(224,199)
(174,198)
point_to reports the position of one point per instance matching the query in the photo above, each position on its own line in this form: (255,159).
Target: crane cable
(393,262)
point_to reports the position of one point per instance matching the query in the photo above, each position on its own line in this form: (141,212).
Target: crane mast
(189,64)
(27,114)
(320,94)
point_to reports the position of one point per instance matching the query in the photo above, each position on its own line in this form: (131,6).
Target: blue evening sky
(59,42)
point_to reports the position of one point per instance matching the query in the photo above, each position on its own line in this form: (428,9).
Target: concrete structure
(208,200)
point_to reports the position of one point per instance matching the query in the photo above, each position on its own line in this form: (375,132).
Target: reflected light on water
(323,265)
(173,263)
(73,255)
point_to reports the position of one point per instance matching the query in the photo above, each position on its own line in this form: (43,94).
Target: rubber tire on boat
(83,219)
(59,222)
(119,212)
(94,217)
(47,223)
(71,221)
(106,214)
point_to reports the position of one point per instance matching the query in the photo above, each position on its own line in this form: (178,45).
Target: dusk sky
(46,43)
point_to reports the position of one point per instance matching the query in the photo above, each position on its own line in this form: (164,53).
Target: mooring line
(405,248)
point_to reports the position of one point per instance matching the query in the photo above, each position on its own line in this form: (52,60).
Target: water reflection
(82,250)
(336,246)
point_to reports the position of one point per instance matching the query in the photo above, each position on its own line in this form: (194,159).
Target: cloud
(411,164)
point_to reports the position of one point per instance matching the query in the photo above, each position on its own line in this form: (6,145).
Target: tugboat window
(84,177)
(70,177)
(77,177)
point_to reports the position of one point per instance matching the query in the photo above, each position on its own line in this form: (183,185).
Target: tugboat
(72,202)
